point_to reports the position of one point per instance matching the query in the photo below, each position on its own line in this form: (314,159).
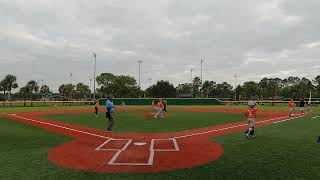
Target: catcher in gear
(250,114)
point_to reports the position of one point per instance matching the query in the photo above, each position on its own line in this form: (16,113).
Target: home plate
(139,143)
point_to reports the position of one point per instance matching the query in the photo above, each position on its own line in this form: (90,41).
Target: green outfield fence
(117,101)
(141,101)
(43,103)
(171,101)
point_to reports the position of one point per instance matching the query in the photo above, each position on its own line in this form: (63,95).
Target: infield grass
(132,121)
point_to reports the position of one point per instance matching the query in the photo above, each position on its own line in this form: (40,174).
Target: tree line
(123,86)
(33,91)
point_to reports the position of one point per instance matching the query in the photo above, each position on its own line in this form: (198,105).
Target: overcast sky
(49,39)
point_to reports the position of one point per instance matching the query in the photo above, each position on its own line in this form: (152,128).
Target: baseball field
(190,142)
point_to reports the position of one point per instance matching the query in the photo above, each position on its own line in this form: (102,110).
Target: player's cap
(109,97)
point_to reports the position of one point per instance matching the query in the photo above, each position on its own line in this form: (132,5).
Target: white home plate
(139,143)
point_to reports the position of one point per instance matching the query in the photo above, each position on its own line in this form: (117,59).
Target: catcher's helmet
(251,104)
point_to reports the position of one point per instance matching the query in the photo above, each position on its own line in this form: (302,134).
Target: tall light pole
(201,77)
(70,78)
(201,70)
(140,61)
(41,87)
(191,75)
(90,88)
(38,83)
(94,75)
(235,86)
(191,82)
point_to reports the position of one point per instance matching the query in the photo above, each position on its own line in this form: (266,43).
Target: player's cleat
(108,130)
(253,136)
(247,135)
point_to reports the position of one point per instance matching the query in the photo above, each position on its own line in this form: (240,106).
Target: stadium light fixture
(90,88)
(140,61)
(94,75)
(191,75)
(201,62)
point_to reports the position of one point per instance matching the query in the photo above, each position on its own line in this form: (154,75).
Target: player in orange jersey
(291,107)
(160,109)
(96,108)
(152,104)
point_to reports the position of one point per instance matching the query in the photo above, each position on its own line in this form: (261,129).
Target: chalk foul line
(63,127)
(232,127)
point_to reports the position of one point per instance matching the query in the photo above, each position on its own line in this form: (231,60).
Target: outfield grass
(280,151)
(32,109)
(130,121)
(276,107)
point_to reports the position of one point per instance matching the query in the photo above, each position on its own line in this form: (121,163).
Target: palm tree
(44,89)
(66,90)
(11,83)
(82,90)
(33,85)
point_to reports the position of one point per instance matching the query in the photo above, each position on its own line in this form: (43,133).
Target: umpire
(165,105)
(110,113)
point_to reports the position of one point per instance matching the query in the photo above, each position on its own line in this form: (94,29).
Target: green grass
(280,151)
(45,108)
(23,151)
(283,151)
(276,107)
(130,122)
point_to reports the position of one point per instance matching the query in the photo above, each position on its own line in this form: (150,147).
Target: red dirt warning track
(98,151)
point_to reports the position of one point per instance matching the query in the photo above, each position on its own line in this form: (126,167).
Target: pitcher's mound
(152,114)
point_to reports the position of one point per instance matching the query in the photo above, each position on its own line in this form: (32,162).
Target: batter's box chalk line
(100,148)
(104,147)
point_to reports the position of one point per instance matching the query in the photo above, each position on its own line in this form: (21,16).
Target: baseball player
(250,113)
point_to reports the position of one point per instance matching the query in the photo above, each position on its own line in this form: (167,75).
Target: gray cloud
(50,39)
